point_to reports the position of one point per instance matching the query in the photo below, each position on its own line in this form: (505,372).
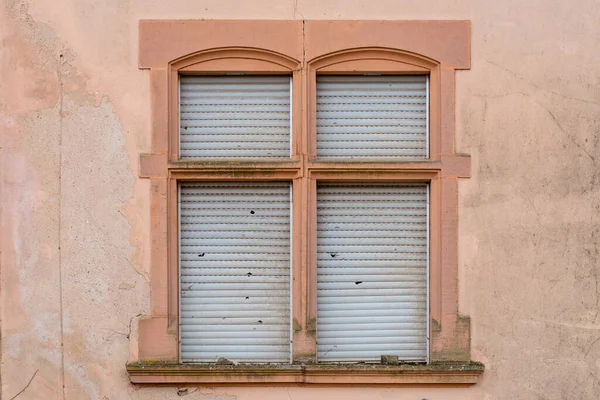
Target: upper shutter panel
(235,271)
(372,116)
(234,116)
(371,271)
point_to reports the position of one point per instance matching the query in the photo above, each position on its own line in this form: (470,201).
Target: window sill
(446,373)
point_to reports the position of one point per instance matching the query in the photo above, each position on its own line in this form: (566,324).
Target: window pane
(235,271)
(234,116)
(372,116)
(372,271)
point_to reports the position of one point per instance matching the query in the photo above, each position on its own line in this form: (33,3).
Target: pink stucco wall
(75,114)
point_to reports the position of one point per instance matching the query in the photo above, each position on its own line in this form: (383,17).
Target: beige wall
(74,115)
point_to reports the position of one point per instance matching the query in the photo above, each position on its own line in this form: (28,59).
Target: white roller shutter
(372,252)
(235,271)
(234,116)
(372,116)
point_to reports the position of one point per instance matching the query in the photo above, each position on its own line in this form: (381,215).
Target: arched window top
(380,59)
(232,59)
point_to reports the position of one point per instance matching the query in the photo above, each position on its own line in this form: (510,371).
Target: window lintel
(243,58)
(376,59)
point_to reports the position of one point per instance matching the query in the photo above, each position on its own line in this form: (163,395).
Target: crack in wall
(520,77)
(567,135)
(59,223)
(26,386)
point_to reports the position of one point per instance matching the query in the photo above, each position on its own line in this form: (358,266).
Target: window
(234,237)
(235,271)
(303,201)
(372,117)
(234,117)
(372,271)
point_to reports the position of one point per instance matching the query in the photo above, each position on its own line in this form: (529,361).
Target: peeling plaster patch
(126,286)
(8,121)
(97,182)
(173,392)
(30,45)
(97,116)
(28,98)
(30,153)
(11,344)
(185,391)
(46,336)
(109,65)
(79,373)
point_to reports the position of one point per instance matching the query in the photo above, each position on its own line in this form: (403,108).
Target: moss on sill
(434,373)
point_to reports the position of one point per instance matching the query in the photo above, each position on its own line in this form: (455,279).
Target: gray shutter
(235,271)
(372,252)
(372,116)
(234,116)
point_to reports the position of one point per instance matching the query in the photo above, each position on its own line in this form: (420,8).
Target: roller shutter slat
(375,219)
(237,241)
(232,235)
(194,264)
(224,302)
(234,317)
(234,116)
(250,307)
(396,130)
(223,279)
(368,277)
(375,103)
(233,321)
(241,341)
(372,116)
(371,286)
(196,335)
(369,145)
(256,249)
(368,341)
(233,293)
(408,355)
(358,335)
(399,327)
(247,257)
(342,314)
(365,294)
(376,300)
(395,263)
(343,152)
(368,241)
(370,226)
(251,330)
(373,305)
(368,257)
(235,271)
(259,353)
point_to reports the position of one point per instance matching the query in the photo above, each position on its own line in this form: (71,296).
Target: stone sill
(443,373)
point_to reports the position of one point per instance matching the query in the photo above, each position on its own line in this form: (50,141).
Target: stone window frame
(304,49)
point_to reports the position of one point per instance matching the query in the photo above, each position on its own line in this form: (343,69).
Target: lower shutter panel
(372,271)
(235,271)
(372,116)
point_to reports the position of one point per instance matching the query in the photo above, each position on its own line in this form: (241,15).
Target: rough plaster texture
(74,115)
